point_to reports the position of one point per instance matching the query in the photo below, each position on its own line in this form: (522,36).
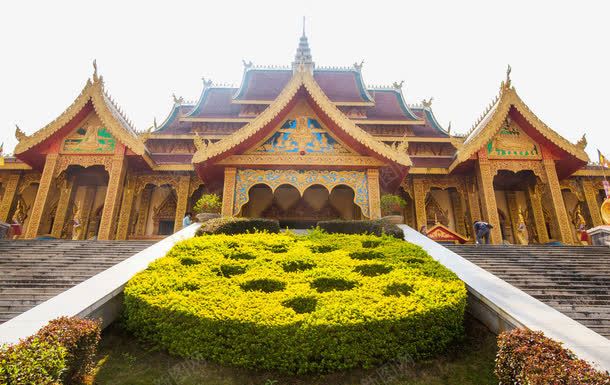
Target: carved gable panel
(89,137)
(512,143)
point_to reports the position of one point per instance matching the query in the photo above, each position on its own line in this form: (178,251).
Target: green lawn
(123,360)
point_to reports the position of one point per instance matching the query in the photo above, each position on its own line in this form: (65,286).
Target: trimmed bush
(377,227)
(526,357)
(230,225)
(299,310)
(63,351)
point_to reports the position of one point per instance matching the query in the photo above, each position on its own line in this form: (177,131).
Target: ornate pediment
(301,135)
(512,143)
(89,137)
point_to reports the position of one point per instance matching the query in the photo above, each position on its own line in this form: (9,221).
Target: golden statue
(77,226)
(522,235)
(90,140)
(606,211)
(580,225)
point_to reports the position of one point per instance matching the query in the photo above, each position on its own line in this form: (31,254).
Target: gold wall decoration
(512,143)
(90,137)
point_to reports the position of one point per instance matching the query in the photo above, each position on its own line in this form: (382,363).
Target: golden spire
(94,69)
(582,143)
(303,55)
(19,134)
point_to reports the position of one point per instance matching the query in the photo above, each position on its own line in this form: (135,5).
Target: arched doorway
(294,210)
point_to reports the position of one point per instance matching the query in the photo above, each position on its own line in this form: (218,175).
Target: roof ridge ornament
(206,83)
(427,103)
(19,134)
(358,66)
(398,85)
(247,64)
(95,77)
(506,84)
(178,100)
(582,142)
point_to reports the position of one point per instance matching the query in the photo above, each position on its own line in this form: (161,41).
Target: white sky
(454,51)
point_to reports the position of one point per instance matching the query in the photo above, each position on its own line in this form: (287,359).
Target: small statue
(177,100)
(522,235)
(77,227)
(19,134)
(247,64)
(398,85)
(581,226)
(582,143)
(358,66)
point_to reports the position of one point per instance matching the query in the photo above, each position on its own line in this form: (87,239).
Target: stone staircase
(575,280)
(32,271)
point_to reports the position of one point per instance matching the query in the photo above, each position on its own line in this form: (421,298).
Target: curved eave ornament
(112,119)
(301,79)
(491,123)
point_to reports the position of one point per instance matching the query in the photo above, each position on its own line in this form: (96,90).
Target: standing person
(187,221)
(482,230)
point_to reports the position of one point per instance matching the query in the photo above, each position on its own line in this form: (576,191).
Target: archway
(294,210)
(154,212)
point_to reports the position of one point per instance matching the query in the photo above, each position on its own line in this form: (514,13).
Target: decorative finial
(155,122)
(19,134)
(94,69)
(398,85)
(303,25)
(303,55)
(449,128)
(206,83)
(177,100)
(358,66)
(427,103)
(506,83)
(200,145)
(582,143)
(247,64)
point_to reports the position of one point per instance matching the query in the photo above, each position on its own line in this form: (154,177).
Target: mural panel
(90,137)
(512,143)
(302,135)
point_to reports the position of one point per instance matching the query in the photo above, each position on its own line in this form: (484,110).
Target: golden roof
(491,122)
(109,113)
(302,78)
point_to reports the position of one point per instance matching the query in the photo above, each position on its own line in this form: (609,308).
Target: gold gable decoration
(109,114)
(301,78)
(494,119)
(510,142)
(90,137)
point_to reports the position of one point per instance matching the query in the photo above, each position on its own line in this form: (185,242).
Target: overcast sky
(454,51)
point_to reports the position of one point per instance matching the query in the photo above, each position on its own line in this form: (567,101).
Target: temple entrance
(294,210)
(519,204)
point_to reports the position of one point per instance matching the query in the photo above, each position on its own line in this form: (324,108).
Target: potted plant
(391,208)
(207,207)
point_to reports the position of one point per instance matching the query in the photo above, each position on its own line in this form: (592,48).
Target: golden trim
(338,103)
(301,78)
(428,170)
(15,166)
(309,159)
(254,101)
(494,119)
(585,172)
(174,167)
(413,139)
(214,120)
(389,122)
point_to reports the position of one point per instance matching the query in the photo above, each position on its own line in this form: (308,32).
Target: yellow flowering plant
(312,303)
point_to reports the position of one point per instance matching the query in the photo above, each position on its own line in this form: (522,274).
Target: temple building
(300,144)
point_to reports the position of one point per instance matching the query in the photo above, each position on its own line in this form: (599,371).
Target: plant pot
(394,219)
(202,217)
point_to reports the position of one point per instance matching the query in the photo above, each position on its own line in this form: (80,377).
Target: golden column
(559,208)
(182,193)
(485,180)
(41,196)
(419,197)
(372,175)
(10,192)
(473,201)
(145,197)
(594,209)
(458,211)
(228,192)
(65,194)
(126,208)
(113,194)
(535,199)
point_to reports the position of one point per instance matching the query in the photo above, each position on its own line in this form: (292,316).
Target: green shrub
(63,352)
(32,362)
(526,357)
(311,308)
(377,227)
(392,204)
(230,225)
(208,203)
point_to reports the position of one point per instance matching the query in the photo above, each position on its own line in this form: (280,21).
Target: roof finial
(303,55)
(582,143)
(94,69)
(19,134)
(427,103)
(508,71)
(398,85)
(449,128)
(178,100)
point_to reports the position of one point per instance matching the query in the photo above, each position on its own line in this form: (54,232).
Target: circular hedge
(311,303)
